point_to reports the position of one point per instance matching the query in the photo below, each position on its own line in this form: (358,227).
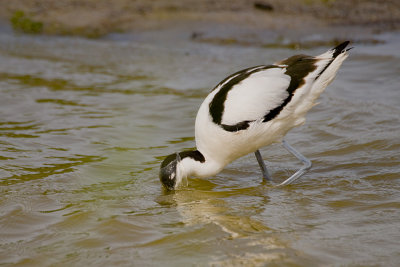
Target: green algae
(22,23)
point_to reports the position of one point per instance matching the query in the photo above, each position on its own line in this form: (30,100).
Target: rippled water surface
(84,125)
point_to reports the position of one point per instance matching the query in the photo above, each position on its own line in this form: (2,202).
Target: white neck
(190,167)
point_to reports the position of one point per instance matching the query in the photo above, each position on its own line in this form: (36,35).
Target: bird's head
(169,172)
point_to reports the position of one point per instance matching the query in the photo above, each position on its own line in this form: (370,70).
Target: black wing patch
(243,125)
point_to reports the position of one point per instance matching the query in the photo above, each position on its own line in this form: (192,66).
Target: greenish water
(84,125)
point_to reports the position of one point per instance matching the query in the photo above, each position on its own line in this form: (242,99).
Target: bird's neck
(200,166)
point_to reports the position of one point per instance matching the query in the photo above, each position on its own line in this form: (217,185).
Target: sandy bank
(95,18)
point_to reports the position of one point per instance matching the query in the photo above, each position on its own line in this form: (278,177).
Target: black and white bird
(253,108)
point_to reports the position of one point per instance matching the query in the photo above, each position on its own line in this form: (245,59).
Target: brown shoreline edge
(293,18)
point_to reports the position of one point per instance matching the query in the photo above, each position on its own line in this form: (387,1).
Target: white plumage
(261,91)
(252,109)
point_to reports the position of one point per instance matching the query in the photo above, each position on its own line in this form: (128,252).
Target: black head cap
(168,171)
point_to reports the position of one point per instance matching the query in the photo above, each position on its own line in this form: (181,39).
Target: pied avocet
(253,108)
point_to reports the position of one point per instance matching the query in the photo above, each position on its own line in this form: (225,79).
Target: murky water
(84,125)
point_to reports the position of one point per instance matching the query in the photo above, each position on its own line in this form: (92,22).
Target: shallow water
(84,125)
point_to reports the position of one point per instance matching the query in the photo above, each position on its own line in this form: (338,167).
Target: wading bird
(253,108)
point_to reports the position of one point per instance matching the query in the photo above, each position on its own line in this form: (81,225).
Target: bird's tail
(332,54)
(340,49)
(329,64)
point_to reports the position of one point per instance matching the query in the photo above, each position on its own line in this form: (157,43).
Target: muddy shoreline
(288,23)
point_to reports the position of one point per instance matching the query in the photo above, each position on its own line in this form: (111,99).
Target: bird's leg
(307,164)
(262,166)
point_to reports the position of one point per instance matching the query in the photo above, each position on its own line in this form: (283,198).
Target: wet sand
(93,18)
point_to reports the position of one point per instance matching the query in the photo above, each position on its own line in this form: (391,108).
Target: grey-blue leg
(307,164)
(262,165)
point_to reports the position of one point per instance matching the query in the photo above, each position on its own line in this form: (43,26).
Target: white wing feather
(255,96)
